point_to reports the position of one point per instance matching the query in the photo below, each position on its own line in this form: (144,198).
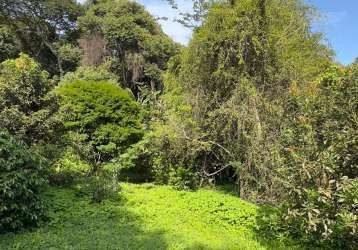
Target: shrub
(68,169)
(88,73)
(183,178)
(103,184)
(21,178)
(135,165)
(26,105)
(153,159)
(103,119)
(319,159)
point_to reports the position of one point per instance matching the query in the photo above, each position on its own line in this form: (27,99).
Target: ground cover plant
(244,138)
(145,217)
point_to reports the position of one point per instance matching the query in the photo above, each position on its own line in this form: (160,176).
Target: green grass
(145,217)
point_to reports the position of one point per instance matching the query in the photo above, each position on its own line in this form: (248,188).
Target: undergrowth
(145,217)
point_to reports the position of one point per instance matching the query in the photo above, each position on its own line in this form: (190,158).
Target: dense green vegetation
(21,180)
(145,217)
(105,118)
(137,46)
(26,106)
(96,94)
(42,29)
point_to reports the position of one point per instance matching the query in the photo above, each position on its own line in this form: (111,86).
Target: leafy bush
(345,230)
(319,159)
(26,104)
(183,178)
(68,169)
(146,161)
(21,178)
(103,121)
(103,118)
(135,165)
(88,73)
(103,184)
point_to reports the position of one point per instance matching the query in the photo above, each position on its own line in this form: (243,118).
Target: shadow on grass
(267,223)
(230,189)
(267,231)
(76,223)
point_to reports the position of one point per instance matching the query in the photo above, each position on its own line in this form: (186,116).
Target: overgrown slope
(144,217)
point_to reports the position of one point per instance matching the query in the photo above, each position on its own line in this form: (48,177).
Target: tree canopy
(131,38)
(41,27)
(94,94)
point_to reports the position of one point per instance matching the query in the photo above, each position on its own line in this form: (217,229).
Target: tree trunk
(58,57)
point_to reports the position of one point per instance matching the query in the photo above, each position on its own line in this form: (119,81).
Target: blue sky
(339,23)
(175,30)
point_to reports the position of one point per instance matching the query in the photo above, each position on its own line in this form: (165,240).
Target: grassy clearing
(144,217)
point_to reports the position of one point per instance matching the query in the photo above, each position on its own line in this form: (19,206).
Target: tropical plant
(21,179)
(26,105)
(319,159)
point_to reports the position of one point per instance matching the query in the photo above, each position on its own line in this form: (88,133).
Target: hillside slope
(144,217)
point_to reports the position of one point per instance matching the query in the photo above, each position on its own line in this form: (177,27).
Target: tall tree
(130,38)
(41,27)
(234,76)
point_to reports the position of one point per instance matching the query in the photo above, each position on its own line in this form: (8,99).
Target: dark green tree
(9,47)
(130,37)
(41,27)
(27,107)
(104,120)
